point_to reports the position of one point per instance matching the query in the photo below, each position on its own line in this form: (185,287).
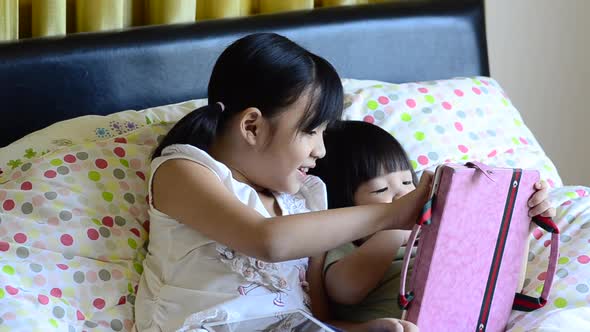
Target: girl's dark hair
(357,152)
(266,71)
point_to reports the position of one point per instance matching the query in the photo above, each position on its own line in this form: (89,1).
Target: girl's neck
(226,156)
(241,177)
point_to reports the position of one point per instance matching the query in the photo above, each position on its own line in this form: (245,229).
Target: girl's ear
(252,126)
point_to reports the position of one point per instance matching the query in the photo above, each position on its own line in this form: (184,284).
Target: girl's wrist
(395,216)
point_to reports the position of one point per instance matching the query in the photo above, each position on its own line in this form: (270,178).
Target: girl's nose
(319,150)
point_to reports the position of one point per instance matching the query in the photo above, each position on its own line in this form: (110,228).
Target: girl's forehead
(396,174)
(295,114)
(304,111)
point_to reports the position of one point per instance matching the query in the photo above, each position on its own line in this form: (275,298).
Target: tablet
(296,321)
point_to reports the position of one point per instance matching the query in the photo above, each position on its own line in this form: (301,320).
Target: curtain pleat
(247,7)
(255,6)
(70,16)
(25,9)
(48,18)
(331,3)
(135,13)
(212,9)
(101,15)
(171,11)
(8,19)
(273,6)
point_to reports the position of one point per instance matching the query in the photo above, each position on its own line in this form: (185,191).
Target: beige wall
(539,51)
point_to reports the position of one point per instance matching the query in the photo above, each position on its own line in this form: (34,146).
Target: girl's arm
(321,310)
(350,279)
(377,325)
(315,278)
(193,195)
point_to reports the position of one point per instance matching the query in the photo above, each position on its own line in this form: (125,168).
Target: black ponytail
(266,71)
(196,128)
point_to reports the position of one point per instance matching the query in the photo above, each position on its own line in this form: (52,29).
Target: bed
(81,114)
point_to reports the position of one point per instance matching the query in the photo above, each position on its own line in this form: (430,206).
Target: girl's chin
(293,187)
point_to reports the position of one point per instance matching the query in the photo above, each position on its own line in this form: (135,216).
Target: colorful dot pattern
(73,229)
(450,120)
(571,285)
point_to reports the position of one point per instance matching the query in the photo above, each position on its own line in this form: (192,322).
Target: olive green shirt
(381,302)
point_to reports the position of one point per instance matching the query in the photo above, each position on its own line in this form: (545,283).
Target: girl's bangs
(327,101)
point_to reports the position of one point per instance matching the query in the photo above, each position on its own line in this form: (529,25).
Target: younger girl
(366,165)
(230,200)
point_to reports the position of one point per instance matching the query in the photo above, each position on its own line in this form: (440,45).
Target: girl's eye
(312,132)
(382,190)
(407,183)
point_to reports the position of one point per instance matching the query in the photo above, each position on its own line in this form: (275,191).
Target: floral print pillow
(88,128)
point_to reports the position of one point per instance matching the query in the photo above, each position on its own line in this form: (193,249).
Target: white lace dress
(190,277)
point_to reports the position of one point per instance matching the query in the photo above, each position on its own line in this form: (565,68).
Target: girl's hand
(377,325)
(416,200)
(426,182)
(538,204)
(390,325)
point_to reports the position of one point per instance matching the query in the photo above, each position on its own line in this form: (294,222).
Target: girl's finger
(538,197)
(408,327)
(549,213)
(539,209)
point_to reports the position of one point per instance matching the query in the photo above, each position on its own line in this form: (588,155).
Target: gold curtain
(8,19)
(40,18)
(134,13)
(171,11)
(92,15)
(273,6)
(211,9)
(71,16)
(331,3)
(48,18)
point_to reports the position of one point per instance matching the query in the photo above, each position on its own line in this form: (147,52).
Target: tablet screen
(296,321)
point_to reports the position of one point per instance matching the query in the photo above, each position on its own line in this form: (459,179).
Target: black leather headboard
(47,80)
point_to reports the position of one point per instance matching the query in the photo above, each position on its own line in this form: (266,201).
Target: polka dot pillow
(453,120)
(88,129)
(73,224)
